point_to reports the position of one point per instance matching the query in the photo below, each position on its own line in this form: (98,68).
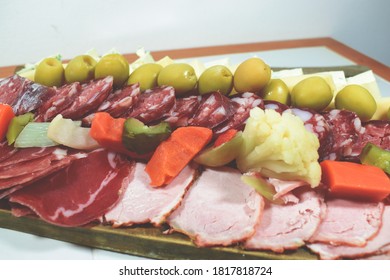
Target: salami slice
(275,105)
(241,106)
(91,96)
(214,109)
(11,88)
(183,111)
(63,98)
(153,104)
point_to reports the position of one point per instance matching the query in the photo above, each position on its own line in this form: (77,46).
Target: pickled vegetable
(261,186)
(251,75)
(16,126)
(181,76)
(276,90)
(34,134)
(374,155)
(142,139)
(216,78)
(49,72)
(312,93)
(357,99)
(146,75)
(222,154)
(80,69)
(114,65)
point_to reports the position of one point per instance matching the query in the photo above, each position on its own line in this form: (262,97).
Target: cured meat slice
(275,105)
(183,111)
(153,104)
(91,96)
(284,187)
(346,129)
(349,222)
(26,154)
(81,193)
(63,98)
(241,105)
(219,209)
(284,227)
(317,124)
(214,109)
(378,245)
(142,203)
(6,151)
(11,88)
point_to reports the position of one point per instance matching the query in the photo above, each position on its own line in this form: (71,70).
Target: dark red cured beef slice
(275,105)
(6,151)
(18,210)
(183,111)
(27,154)
(32,97)
(346,129)
(153,104)
(63,98)
(241,105)
(317,124)
(81,193)
(91,96)
(11,88)
(214,109)
(6,192)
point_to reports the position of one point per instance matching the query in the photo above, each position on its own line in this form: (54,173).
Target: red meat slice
(378,245)
(284,227)
(91,96)
(63,98)
(11,88)
(349,222)
(153,104)
(183,111)
(27,154)
(142,203)
(6,151)
(219,209)
(275,105)
(81,193)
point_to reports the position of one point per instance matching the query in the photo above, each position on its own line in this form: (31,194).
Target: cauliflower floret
(279,146)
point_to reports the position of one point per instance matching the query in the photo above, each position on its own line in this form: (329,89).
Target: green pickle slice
(221,155)
(16,126)
(142,139)
(374,155)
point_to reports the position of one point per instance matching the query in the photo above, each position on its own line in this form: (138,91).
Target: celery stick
(34,134)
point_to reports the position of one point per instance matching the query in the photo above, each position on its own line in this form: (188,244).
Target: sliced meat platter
(70,187)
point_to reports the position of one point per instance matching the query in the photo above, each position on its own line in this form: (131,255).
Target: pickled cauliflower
(279,146)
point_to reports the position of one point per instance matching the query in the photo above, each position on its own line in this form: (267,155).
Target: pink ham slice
(219,209)
(378,245)
(285,227)
(81,193)
(142,203)
(349,222)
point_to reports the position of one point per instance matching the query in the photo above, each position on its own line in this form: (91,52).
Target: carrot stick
(225,137)
(353,180)
(172,155)
(6,115)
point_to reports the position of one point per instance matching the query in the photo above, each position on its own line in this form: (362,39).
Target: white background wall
(31,30)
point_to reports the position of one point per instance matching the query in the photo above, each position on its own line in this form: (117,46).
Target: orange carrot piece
(173,154)
(6,115)
(353,180)
(225,137)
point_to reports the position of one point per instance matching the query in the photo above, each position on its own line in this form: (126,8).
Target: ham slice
(219,209)
(378,245)
(142,203)
(349,222)
(285,227)
(81,193)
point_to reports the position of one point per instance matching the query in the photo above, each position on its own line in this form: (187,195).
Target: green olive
(80,69)
(114,65)
(276,90)
(312,93)
(146,75)
(357,99)
(216,78)
(49,72)
(181,76)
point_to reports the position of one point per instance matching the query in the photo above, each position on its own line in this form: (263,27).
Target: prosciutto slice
(349,222)
(80,193)
(378,245)
(219,209)
(142,203)
(284,227)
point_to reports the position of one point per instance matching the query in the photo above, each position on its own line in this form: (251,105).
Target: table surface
(320,52)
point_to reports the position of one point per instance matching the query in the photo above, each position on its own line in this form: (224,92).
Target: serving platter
(151,242)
